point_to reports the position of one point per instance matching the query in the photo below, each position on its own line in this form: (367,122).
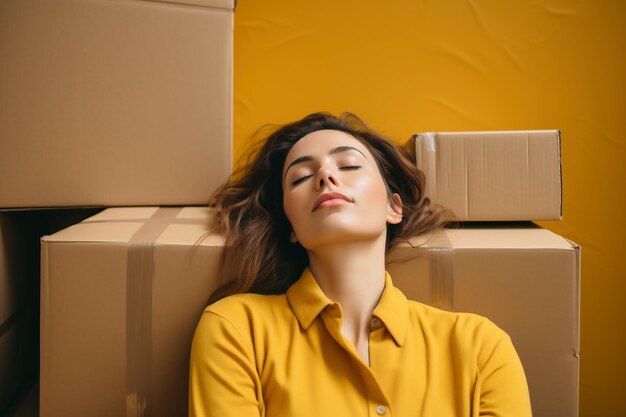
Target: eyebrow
(307,158)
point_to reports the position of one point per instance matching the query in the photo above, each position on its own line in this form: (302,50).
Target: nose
(325,177)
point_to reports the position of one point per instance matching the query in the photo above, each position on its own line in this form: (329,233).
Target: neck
(353,275)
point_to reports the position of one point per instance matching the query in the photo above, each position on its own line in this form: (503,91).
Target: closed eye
(299,180)
(346,168)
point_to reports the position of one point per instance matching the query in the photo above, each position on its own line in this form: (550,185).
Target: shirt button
(380,409)
(376,324)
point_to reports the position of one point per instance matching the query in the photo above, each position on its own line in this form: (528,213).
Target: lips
(330,196)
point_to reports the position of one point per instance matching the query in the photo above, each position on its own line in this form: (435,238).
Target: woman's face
(333,191)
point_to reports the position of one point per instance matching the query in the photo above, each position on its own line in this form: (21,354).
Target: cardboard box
(109,103)
(493,176)
(122,294)
(525,279)
(123,291)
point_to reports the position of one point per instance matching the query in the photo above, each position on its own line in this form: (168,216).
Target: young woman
(312,324)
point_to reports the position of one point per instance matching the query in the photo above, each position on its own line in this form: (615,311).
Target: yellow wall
(440,65)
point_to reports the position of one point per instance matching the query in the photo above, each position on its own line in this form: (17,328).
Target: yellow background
(441,65)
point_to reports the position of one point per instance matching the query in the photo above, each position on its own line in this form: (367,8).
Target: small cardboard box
(493,176)
(114,103)
(122,294)
(525,279)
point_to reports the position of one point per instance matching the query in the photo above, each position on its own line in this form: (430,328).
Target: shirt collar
(393,311)
(307,300)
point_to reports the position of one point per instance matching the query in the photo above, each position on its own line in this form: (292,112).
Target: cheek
(372,188)
(291,208)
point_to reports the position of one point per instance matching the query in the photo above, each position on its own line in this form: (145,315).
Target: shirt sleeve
(501,381)
(223,380)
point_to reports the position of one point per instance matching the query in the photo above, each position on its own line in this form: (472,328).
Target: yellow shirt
(284,355)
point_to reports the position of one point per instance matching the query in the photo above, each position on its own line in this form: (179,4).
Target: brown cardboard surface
(526,280)
(85,315)
(109,103)
(493,176)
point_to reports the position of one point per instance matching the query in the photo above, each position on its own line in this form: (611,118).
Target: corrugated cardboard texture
(514,175)
(108,103)
(84,310)
(526,280)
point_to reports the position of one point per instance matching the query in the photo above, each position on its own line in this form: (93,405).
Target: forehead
(321,142)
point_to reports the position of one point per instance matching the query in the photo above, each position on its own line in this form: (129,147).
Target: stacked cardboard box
(109,103)
(122,293)
(523,278)
(499,264)
(102,104)
(493,176)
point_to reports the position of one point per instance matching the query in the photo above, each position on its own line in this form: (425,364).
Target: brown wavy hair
(248,208)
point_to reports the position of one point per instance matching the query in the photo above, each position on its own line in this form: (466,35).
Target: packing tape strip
(441,276)
(139,279)
(140,271)
(441,271)
(426,161)
(437,249)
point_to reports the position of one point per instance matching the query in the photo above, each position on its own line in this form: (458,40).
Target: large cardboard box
(525,279)
(109,103)
(493,176)
(122,293)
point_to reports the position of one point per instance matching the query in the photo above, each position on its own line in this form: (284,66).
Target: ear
(394,214)
(293,238)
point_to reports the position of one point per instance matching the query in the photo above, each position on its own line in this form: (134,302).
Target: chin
(342,236)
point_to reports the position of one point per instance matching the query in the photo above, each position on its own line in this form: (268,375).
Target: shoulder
(244,302)
(249,315)
(456,327)
(247,307)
